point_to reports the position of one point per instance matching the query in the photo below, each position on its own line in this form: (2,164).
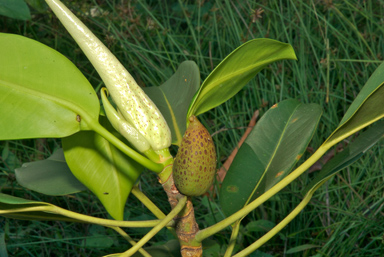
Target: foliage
(271,94)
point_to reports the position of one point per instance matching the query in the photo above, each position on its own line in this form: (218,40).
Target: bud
(122,126)
(131,101)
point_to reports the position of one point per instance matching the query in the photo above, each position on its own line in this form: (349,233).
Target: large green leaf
(16,9)
(175,95)
(349,155)
(268,154)
(51,176)
(236,70)
(102,168)
(42,94)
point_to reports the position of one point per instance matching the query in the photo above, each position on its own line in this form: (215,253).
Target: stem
(156,167)
(253,247)
(202,234)
(180,205)
(77,217)
(147,203)
(186,226)
(232,241)
(152,207)
(131,241)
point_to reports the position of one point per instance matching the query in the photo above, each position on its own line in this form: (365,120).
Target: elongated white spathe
(135,106)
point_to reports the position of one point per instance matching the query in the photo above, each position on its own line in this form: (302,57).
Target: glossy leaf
(269,153)
(42,94)
(16,9)
(236,70)
(103,169)
(51,176)
(174,96)
(349,155)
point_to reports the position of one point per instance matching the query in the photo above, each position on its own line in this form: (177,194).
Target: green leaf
(174,96)
(102,168)
(16,9)
(269,153)
(51,176)
(349,155)
(236,70)
(42,94)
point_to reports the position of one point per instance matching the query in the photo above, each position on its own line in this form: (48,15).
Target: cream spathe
(131,101)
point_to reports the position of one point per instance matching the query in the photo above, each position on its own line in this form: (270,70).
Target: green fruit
(195,165)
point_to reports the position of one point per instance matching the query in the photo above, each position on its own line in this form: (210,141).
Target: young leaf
(103,169)
(268,154)
(51,176)
(236,70)
(42,94)
(174,96)
(349,155)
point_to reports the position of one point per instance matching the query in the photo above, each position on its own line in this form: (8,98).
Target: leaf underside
(51,176)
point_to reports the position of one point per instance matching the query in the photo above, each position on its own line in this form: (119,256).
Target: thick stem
(186,226)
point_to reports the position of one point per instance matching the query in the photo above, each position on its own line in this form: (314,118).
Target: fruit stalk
(186,226)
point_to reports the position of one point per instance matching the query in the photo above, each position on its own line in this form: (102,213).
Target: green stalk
(232,241)
(147,203)
(180,205)
(131,241)
(205,233)
(156,167)
(73,217)
(152,207)
(253,247)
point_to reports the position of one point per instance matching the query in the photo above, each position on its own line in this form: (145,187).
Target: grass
(338,44)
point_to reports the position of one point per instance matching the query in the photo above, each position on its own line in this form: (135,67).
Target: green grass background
(338,44)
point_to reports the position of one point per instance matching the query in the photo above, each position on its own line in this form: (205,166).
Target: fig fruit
(195,163)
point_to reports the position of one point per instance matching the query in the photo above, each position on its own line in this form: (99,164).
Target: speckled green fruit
(194,168)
